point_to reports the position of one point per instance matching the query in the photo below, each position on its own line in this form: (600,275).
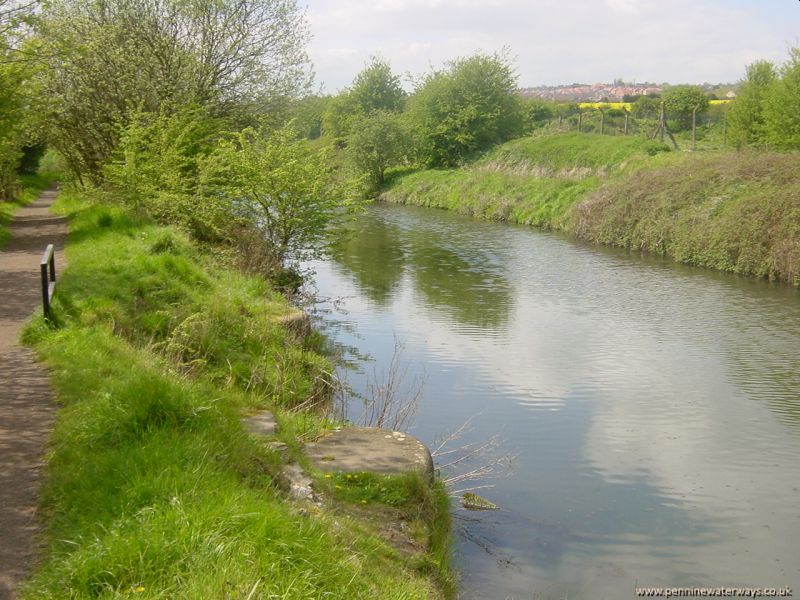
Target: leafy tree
(18,125)
(307,114)
(376,88)
(746,114)
(107,59)
(782,106)
(537,112)
(646,107)
(467,107)
(380,141)
(681,100)
(341,112)
(156,168)
(280,183)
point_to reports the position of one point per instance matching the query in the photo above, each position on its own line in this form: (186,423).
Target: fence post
(627,114)
(694,127)
(47,269)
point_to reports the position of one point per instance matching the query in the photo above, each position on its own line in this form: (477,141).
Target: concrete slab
(358,449)
(262,423)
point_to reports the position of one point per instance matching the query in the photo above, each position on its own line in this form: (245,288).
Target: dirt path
(26,400)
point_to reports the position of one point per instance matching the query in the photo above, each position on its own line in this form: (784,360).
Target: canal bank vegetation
(191,201)
(731,208)
(153,486)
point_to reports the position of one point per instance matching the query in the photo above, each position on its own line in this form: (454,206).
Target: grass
(153,489)
(32,186)
(724,210)
(737,212)
(532,181)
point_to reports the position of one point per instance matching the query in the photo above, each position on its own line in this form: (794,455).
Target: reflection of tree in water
(476,293)
(447,275)
(374,256)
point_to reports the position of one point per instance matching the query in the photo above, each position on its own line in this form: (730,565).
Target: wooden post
(559,121)
(48,263)
(602,120)
(627,114)
(725,129)
(694,127)
(662,122)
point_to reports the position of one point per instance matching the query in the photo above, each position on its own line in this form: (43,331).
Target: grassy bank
(532,181)
(31,186)
(153,488)
(737,212)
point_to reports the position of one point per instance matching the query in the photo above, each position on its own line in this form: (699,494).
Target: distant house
(731,95)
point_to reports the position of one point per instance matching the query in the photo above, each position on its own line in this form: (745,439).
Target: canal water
(653,410)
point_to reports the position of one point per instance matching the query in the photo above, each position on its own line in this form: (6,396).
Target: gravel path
(26,399)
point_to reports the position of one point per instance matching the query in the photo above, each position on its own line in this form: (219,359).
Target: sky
(555,41)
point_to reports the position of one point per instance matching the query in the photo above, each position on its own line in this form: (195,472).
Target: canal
(652,409)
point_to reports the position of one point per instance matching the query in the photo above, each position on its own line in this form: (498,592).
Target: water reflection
(653,407)
(452,275)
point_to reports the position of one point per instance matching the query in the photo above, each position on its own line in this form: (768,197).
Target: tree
(467,107)
(376,88)
(746,114)
(281,184)
(340,113)
(681,100)
(107,58)
(537,112)
(782,106)
(380,141)
(646,107)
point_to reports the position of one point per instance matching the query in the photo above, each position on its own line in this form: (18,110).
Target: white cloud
(555,41)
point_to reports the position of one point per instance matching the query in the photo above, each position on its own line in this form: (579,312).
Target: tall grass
(730,211)
(737,212)
(153,489)
(532,181)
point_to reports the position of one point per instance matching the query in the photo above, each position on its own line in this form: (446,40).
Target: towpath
(26,398)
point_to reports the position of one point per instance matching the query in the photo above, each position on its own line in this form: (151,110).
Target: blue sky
(555,41)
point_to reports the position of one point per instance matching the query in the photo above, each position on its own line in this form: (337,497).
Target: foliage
(745,116)
(376,88)
(681,100)
(782,106)
(18,124)
(736,212)
(281,184)
(467,107)
(307,114)
(646,107)
(339,117)
(105,59)
(380,141)
(537,112)
(155,168)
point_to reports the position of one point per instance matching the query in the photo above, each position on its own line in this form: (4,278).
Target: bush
(466,108)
